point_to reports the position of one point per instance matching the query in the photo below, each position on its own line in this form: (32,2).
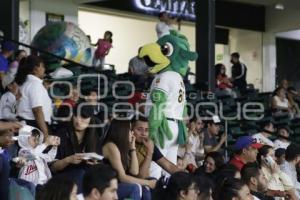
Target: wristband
(132,150)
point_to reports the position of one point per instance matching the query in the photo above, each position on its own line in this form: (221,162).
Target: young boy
(9,99)
(36,169)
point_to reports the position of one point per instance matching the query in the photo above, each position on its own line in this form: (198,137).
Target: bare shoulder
(110,148)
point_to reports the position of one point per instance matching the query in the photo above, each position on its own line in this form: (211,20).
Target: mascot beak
(154,58)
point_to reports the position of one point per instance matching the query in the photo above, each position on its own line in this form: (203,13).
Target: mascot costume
(168,58)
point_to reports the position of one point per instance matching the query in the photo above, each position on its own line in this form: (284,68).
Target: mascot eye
(167,49)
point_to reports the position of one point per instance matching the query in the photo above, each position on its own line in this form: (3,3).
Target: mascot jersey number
(168,58)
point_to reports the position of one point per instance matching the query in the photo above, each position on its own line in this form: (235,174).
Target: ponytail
(26,67)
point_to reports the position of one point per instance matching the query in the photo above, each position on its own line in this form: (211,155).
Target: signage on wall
(179,8)
(51,17)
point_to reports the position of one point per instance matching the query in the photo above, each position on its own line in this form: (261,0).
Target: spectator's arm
(107,52)
(134,164)
(208,149)
(145,166)
(50,155)
(14,126)
(112,153)
(242,71)
(59,165)
(39,117)
(167,165)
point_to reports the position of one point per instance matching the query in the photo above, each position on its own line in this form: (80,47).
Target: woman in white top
(35,105)
(279,183)
(280,103)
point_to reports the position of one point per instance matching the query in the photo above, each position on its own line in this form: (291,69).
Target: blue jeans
(130,191)
(146,193)
(4,175)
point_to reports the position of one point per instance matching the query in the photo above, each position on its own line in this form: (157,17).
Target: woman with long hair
(179,186)
(35,105)
(120,152)
(77,137)
(213,162)
(223,83)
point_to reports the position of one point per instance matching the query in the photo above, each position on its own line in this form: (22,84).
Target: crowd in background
(44,160)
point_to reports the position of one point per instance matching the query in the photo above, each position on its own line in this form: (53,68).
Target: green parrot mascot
(168,59)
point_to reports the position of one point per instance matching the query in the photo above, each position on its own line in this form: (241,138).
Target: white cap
(8,79)
(216,119)
(25,132)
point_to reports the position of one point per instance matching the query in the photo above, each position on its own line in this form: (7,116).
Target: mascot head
(170,53)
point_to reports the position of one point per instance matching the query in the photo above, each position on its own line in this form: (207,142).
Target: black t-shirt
(156,154)
(66,148)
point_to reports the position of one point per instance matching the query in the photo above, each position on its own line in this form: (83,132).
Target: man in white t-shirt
(267,129)
(164,25)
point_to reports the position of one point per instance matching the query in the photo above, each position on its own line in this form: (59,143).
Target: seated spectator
(13,67)
(121,154)
(193,151)
(213,162)
(283,138)
(7,50)
(292,95)
(73,98)
(92,97)
(278,182)
(9,99)
(256,181)
(224,84)
(147,152)
(6,140)
(280,156)
(267,129)
(179,186)
(211,131)
(284,84)
(292,156)
(100,183)
(233,189)
(227,172)
(77,137)
(280,104)
(58,188)
(35,105)
(246,150)
(205,188)
(32,146)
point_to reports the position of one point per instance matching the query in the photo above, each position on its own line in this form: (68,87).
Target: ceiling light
(279,6)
